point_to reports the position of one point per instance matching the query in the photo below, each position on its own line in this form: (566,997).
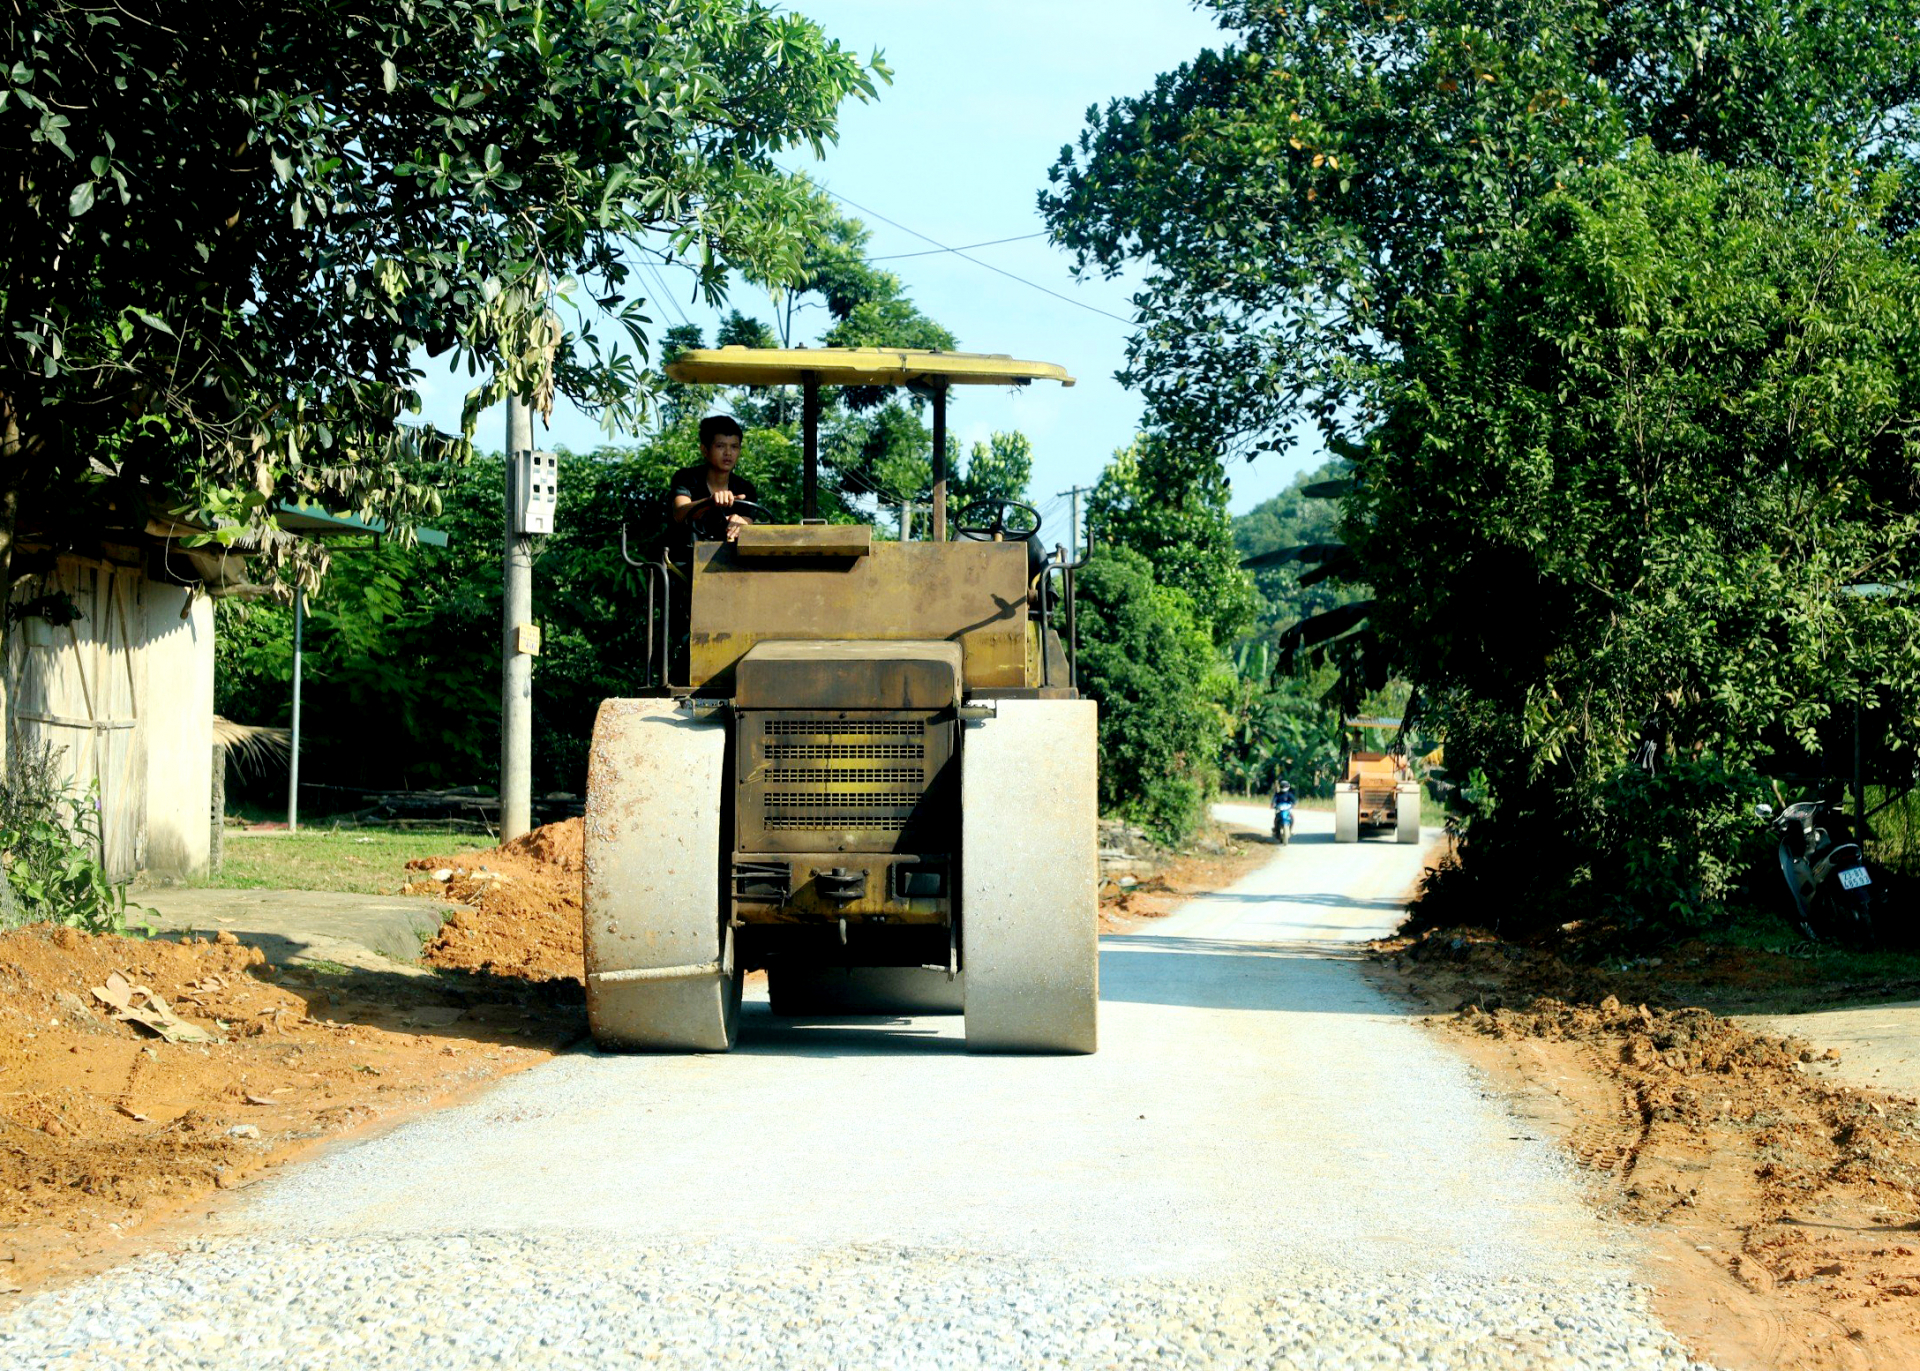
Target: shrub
(1149,661)
(1675,843)
(50,845)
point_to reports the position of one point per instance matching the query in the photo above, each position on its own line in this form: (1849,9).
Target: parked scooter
(1834,892)
(1283,802)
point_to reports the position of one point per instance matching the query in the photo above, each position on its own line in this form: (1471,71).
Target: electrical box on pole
(535,482)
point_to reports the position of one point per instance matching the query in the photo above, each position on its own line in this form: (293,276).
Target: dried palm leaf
(252,747)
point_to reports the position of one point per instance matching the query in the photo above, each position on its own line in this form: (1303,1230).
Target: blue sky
(984,94)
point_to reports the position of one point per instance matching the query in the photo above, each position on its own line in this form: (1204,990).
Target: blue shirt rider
(1283,802)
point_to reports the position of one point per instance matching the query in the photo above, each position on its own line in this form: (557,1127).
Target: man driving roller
(704,496)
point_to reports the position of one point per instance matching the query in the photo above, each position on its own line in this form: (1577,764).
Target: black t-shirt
(710,523)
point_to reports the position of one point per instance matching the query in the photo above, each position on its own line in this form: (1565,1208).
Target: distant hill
(1287,520)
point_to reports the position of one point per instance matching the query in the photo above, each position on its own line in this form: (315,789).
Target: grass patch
(363,861)
(1761,963)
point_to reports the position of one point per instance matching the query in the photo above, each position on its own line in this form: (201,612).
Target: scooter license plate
(1853,877)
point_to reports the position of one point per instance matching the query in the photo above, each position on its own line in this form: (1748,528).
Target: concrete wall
(179,729)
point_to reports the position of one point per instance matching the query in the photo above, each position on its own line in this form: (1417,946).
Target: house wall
(78,687)
(179,730)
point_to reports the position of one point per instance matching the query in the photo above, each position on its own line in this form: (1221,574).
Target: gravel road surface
(1265,1165)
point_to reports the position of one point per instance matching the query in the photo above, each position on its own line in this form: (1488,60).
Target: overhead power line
(935,252)
(961,254)
(664,295)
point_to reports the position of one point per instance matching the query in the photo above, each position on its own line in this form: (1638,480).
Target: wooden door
(79,687)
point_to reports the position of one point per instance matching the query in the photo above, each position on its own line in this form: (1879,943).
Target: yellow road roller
(858,764)
(1378,791)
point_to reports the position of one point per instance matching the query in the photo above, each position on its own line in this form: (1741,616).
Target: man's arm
(736,522)
(685,507)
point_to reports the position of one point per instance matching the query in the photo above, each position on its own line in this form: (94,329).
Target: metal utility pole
(516,638)
(1073,542)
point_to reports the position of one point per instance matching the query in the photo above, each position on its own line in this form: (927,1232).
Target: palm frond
(252,747)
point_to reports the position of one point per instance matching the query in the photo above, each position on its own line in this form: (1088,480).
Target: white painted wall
(179,729)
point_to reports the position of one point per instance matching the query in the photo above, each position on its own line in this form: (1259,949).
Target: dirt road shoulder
(1779,1206)
(139,1077)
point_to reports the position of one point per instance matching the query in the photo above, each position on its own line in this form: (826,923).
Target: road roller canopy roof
(743,366)
(811,368)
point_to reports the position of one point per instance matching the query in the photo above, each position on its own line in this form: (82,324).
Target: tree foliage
(998,469)
(1292,519)
(1602,302)
(1646,496)
(233,225)
(1280,726)
(1150,661)
(1286,716)
(1296,188)
(1170,505)
(1161,597)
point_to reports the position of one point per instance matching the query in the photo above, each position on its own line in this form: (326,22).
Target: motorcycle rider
(1283,802)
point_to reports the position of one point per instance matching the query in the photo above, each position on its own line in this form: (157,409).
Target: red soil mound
(523,898)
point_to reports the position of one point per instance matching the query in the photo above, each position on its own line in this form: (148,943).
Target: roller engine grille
(864,728)
(847,775)
(845,752)
(842,776)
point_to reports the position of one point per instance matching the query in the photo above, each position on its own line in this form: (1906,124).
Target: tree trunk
(12,463)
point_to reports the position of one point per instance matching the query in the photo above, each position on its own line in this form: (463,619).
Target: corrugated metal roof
(312,522)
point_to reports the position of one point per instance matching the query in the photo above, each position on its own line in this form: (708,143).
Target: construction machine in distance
(859,764)
(1379,791)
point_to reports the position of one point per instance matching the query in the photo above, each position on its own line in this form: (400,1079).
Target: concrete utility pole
(1073,627)
(516,661)
(906,521)
(1073,541)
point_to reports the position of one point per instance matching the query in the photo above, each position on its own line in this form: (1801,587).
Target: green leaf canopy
(232,226)
(1291,190)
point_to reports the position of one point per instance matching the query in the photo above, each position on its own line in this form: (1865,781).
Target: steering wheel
(997,521)
(753,509)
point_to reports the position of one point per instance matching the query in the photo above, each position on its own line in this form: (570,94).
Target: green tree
(1291,705)
(1150,661)
(1167,595)
(1293,191)
(1599,298)
(232,226)
(1292,519)
(1280,726)
(1641,461)
(1170,505)
(998,469)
